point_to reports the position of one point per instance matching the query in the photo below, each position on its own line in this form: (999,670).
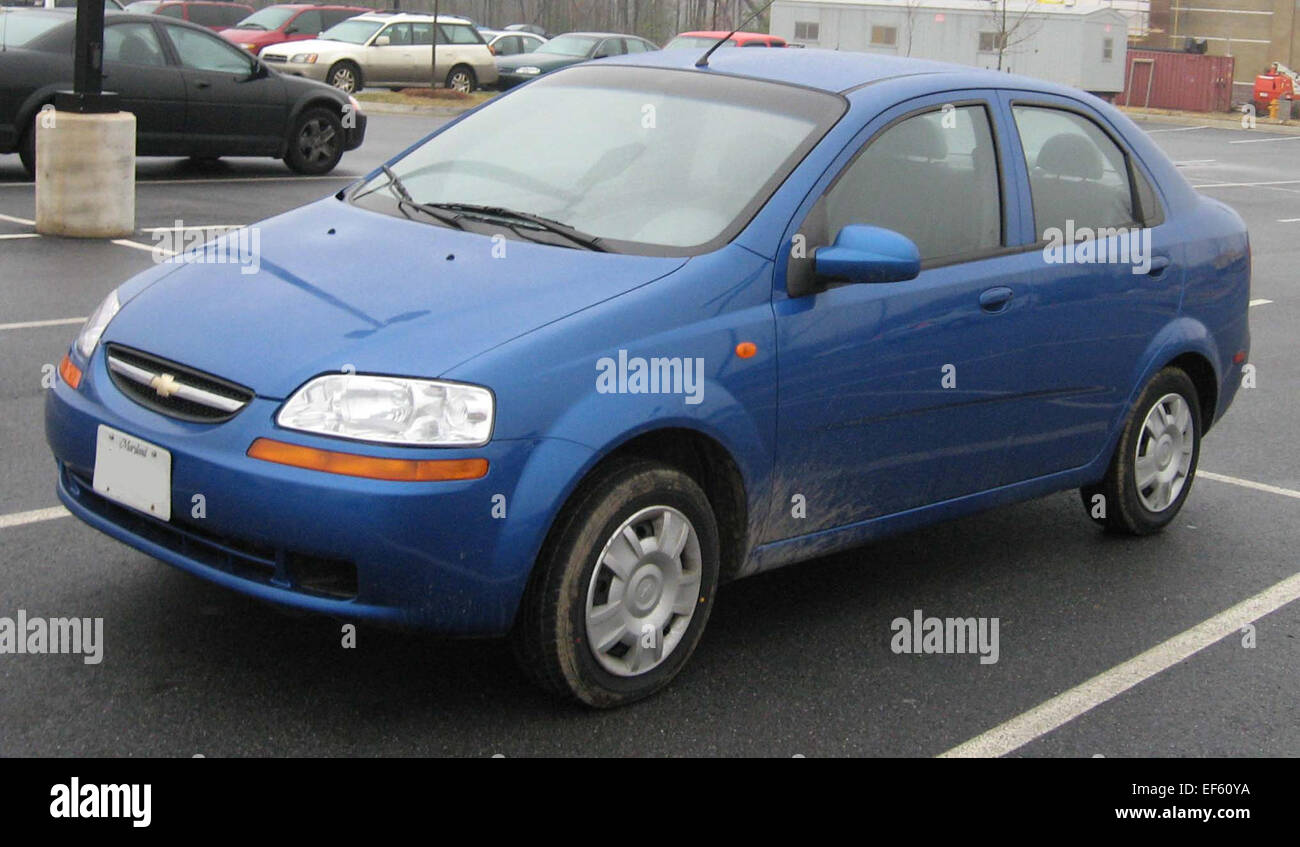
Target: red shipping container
(1190,82)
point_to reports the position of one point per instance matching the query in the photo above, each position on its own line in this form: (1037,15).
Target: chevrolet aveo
(724,319)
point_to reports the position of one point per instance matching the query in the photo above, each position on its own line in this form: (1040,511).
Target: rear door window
(133,44)
(1078,176)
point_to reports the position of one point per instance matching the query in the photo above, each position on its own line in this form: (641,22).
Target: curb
(1214,120)
(380,108)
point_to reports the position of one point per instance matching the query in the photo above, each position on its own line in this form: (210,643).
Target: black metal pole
(87,93)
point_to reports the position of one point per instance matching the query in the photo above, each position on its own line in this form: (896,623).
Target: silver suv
(390,50)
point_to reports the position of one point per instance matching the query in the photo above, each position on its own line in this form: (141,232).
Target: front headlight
(96,324)
(528,70)
(251,48)
(393,410)
(303,58)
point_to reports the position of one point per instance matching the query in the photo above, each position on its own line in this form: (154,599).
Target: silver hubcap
(460,82)
(316,141)
(644,591)
(1163,457)
(344,80)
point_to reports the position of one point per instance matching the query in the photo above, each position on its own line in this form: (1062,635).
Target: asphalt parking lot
(795,662)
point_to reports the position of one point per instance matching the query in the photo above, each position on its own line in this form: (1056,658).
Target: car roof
(835,71)
(719,33)
(398,17)
(603,35)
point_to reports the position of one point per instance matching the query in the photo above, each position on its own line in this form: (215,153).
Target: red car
(288,22)
(704,39)
(214,16)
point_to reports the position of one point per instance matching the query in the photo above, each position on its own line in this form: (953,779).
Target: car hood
(336,287)
(313,45)
(545,61)
(251,35)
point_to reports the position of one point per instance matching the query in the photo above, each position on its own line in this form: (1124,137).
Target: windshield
(353,31)
(700,41)
(569,45)
(267,19)
(671,160)
(18,30)
(143,7)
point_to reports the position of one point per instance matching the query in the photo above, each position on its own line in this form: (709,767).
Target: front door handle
(1158,265)
(996,299)
(202,84)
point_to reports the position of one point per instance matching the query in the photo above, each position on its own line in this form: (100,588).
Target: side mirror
(382,41)
(863,253)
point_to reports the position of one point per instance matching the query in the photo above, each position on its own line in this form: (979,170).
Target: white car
(392,50)
(504,43)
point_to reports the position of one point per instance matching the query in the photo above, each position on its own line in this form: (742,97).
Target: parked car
(109,5)
(391,50)
(533,28)
(568,49)
(288,22)
(560,390)
(193,94)
(704,39)
(514,43)
(213,15)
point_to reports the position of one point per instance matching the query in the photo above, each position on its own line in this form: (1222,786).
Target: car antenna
(703,61)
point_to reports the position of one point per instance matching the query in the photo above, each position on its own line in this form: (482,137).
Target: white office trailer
(1078,43)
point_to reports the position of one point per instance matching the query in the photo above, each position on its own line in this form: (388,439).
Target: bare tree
(1012,26)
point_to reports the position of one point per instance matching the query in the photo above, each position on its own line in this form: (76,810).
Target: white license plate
(133,472)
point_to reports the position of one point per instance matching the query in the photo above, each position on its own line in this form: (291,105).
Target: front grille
(271,57)
(173,389)
(250,560)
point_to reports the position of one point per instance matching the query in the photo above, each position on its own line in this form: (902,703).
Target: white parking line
(34,516)
(36,324)
(1063,708)
(1247,184)
(1245,483)
(1194,163)
(1176,129)
(1267,140)
(122,242)
(16,235)
(14,220)
(1260,302)
(152,229)
(1288,220)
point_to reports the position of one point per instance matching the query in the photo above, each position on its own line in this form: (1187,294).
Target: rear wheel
(1154,464)
(623,587)
(315,142)
(461,78)
(27,151)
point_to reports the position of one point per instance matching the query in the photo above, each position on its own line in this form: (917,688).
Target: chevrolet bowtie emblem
(165,384)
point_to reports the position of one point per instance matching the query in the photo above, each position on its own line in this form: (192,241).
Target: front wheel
(315,142)
(27,151)
(462,79)
(346,77)
(1154,464)
(623,587)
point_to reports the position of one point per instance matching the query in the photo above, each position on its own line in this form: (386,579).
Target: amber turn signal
(370,467)
(71,373)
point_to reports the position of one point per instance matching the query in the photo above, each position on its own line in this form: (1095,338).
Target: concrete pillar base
(85,174)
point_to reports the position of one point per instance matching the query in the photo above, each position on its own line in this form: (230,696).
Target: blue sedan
(722,319)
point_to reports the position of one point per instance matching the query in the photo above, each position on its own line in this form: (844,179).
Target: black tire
(27,151)
(1121,509)
(550,634)
(315,142)
(462,78)
(346,77)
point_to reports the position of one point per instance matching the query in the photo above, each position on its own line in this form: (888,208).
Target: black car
(564,50)
(193,93)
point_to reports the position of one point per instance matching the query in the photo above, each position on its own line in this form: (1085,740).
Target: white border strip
(1245,483)
(36,324)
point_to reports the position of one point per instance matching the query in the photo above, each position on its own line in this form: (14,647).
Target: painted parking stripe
(1063,708)
(1260,302)
(1177,129)
(1245,483)
(17,235)
(11,219)
(1247,184)
(1266,140)
(37,324)
(123,242)
(153,229)
(34,516)
(1288,220)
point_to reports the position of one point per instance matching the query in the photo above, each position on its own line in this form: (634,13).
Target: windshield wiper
(577,236)
(405,200)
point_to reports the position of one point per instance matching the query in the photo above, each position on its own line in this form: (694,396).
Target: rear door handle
(996,299)
(1158,265)
(202,84)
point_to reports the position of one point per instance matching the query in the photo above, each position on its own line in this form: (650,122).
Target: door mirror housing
(382,41)
(863,253)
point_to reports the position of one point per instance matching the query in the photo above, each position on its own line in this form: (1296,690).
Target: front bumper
(431,555)
(354,135)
